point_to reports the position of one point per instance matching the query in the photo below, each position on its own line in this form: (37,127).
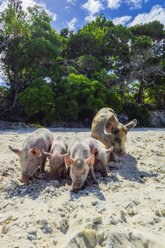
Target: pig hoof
(75,191)
(95,182)
(104,173)
(53,178)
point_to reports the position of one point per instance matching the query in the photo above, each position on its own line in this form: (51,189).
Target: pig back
(41,138)
(78,148)
(59,145)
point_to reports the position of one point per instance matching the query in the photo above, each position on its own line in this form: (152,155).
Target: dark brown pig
(56,156)
(31,155)
(80,160)
(107,129)
(101,155)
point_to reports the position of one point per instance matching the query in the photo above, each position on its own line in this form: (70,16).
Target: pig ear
(90,161)
(131,124)
(111,125)
(17,151)
(64,155)
(95,152)
(108,151)
(35,152)
(68,160)
(48,154)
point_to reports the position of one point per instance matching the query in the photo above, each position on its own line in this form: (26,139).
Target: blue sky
(76,13)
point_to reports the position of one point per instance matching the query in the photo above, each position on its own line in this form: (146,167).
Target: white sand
(126,210)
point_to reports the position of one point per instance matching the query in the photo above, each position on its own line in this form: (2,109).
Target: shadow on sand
(127,168)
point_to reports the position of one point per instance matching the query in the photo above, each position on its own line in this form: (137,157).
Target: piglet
(81,161)
(101,155)
(56,157)
(31,155)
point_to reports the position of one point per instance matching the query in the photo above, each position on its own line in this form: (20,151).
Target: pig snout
(76,188)
(25,178)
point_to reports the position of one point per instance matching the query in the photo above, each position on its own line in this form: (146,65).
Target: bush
(38,101)
(139,112)
(113,101)
(78,97)
(72,99)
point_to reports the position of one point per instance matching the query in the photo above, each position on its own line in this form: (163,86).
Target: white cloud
(157,13)
(30,3)
(93,6)
(133,4)
(114,4)
(71,24)
(122,20)
(71,1)
(90,18)
(136,4)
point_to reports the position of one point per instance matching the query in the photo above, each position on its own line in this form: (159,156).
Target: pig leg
(43,165)
(101,168)
(103,172)
(53,173)
(112,157)
(92,175)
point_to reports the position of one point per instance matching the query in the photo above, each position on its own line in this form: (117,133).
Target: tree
(145,63)
(32,55)
(82,43)
(13,22)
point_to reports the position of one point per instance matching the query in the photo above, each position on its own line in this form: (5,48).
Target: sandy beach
(126,209)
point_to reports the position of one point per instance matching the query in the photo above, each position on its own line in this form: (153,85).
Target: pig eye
(116,130)
(84,172)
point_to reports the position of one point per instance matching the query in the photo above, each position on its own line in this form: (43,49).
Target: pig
(101,155)
(107,129)
(81,161)
(31,155)
(56,156)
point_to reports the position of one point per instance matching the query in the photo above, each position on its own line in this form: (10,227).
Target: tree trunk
(123,93)
(15,98)
(140,93)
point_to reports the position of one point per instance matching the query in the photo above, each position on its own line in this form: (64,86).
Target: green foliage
(113,101)
(13,22)
(139,112)
(3,91)
(80,98)
(154,30)
(88,65)
(142,43)
(108,80)
(83,43)
(76,95)
(38,100)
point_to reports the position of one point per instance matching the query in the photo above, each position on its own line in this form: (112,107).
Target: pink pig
(56,156)
(31,155)
(81,161)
